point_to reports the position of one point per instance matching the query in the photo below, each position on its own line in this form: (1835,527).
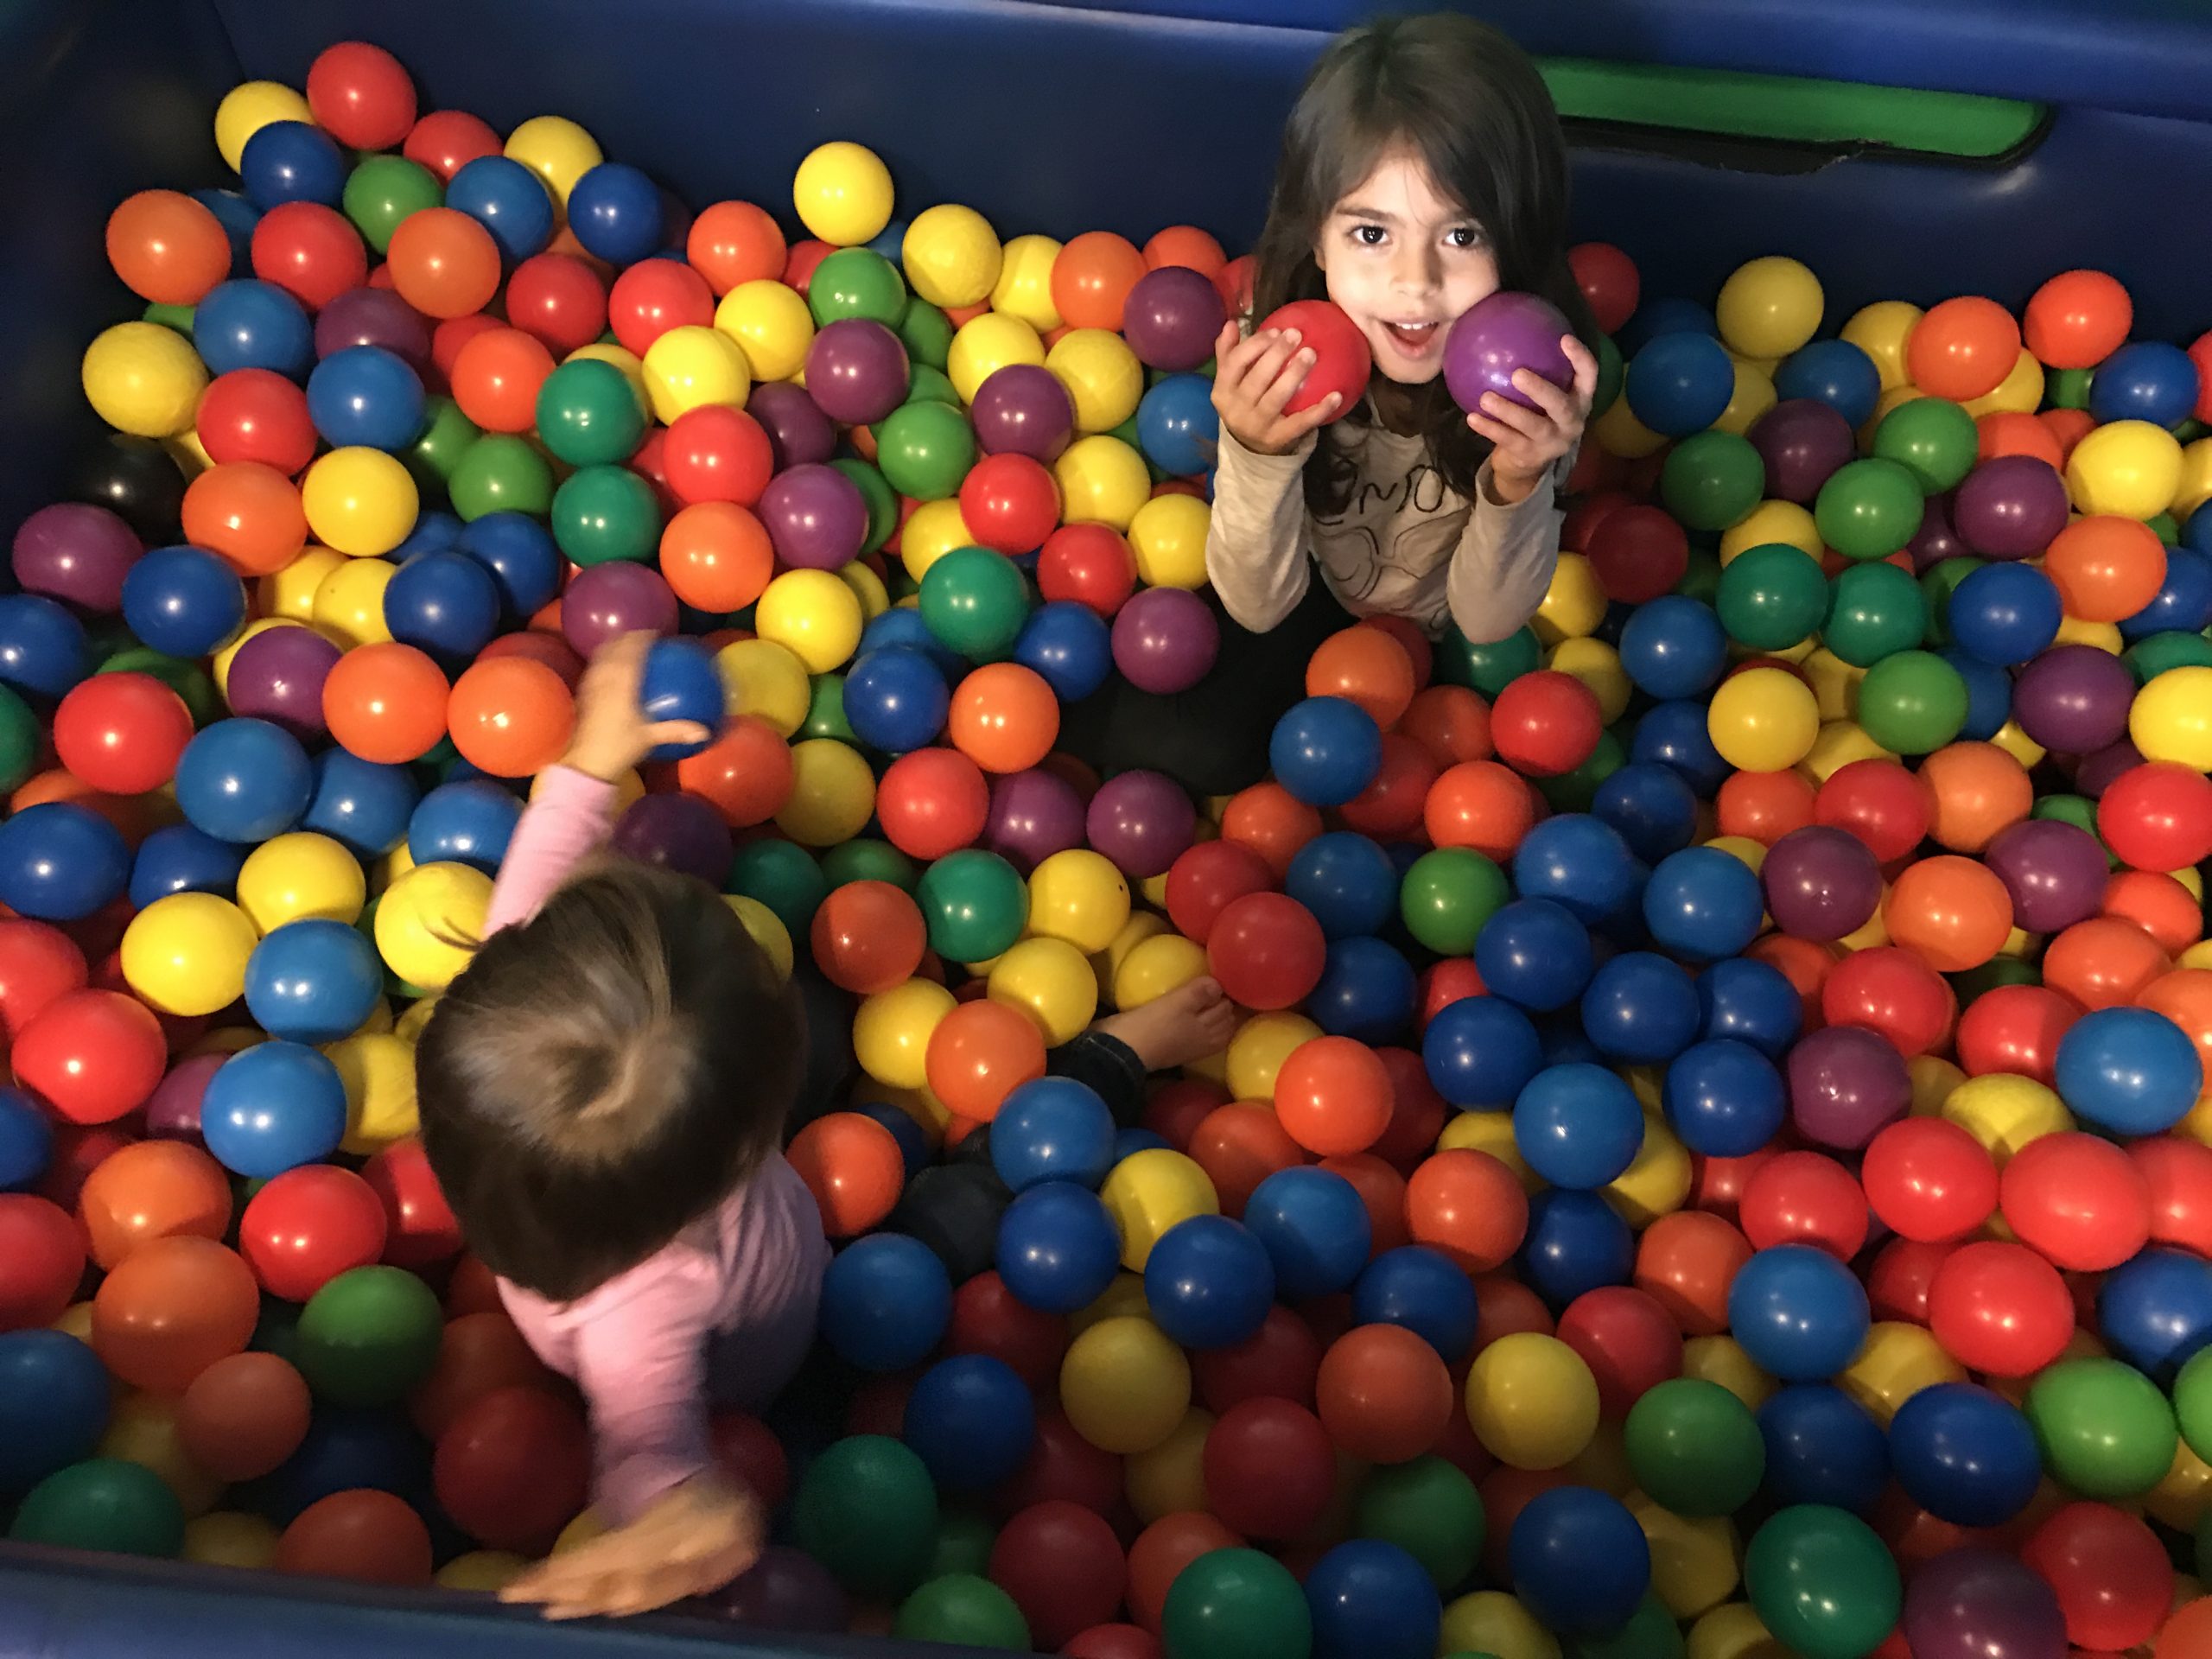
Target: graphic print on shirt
(1354,554)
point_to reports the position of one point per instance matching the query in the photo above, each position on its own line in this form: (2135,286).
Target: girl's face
(1403,260)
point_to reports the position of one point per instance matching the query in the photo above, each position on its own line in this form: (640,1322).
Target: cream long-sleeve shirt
(1406,543)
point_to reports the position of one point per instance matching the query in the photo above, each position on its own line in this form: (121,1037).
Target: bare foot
(1189,1023)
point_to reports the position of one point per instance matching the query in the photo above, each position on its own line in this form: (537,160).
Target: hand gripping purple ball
(1497,335)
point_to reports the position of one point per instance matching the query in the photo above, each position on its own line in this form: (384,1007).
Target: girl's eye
(1466,236)
(1368,236)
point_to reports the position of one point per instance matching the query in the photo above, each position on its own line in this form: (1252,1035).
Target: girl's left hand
(692,1540)
(1524,442)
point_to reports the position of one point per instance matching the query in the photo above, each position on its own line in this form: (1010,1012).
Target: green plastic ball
(927,334)
(825,710)
(1933,438)
(975,601)
(1869,509)
(1577,791)
(1912,702)
(925,449)
(1994,974)
(1491,668)
(867,1510)
(1873,609)
(176,318)
(964,1609)
(856,283)
(1711,479)
(1937,583)
(1651,1633)
(2104,1429)
(1826,1585)
(384,190)
(931,386)
(19,740)
(963,1545)
(2077,809)
(1612,375)
(588,414)
(500,472)
(881,500)
(2152,656)
(1772,596)
(2193,1402)
(783,875)
(1701,575)
(604,513)
(1236,1603)
(102,1503)
(447,435)
(2066,388)
(369,1337)
(1446,896)
(1430,1510)
(975,903)
(865,859)
(1695,1448)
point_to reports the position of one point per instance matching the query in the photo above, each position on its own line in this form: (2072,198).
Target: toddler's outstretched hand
(1254,378)
(693,1539)
(1524,442)
(613,735)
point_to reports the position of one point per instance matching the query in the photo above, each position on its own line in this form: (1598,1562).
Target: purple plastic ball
(173,1110)
(1023,410)
(786,1590)
(2098,772)
(277,676)
(1821,882)
(816,517)
(1165,641)
(77,554)
(1803,441)
(1845,1083)
(1142,821)
(374,316)
(678,832)
(799,434)
(857,371)
(2010,507)
(2055,871)
(1978,1604)
(617,598)
(1935,540)
(1172,319)
(2074,699)
(1495,336)
(1034,815)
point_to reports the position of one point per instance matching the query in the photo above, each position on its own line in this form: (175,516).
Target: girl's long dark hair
(1471,105)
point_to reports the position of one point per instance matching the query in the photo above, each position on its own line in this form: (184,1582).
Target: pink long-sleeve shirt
(721,1316)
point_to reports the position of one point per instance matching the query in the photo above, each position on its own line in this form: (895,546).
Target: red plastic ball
(1269,1468)
(256,414)
(1609,282)
(1383,1395)
(1892,992)
(122,733)
(1238,1146)
(1342,362)
(94,1056)
(1805,1198)
(1417,1111)
(717,453)
(1279,1361)
(38,963)
(2000,1308)
(1206,878)
(1061,1463)
(559,300)
(311,251)
(1113,1642)
(513,1469)
(1899,1278)
(1627,1338)
(1638,553)
(2177,1181)
(933,802)
(1009,503)
(42,1258)
(360,95)
(1390,807)
(1063,1567)
(1545,723)
(307,1226)
(445,141)
(653,296)
(1267,951)
(1878,801)
(2114,1580)
(1469,1205)
(1929,1179)
(2081,1202)
(1088,564)
(987,1319)
(2015,1028)
(420,1228)
(749,1450)
(2158,816)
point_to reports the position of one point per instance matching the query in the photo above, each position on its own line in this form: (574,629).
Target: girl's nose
(1419,268)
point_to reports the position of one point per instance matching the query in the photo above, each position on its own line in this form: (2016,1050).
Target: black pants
(1213,738)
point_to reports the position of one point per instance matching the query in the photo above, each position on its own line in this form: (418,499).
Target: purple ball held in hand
(1497,335)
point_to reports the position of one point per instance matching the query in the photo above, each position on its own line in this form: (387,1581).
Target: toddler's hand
(1254,378)
(693,1539)
(1524,442)
(613,735)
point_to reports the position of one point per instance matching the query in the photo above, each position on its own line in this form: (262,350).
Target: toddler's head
(603,1075)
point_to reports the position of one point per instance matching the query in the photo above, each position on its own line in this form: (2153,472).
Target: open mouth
(1414,338)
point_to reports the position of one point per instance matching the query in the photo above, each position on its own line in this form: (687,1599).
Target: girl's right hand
(691,1541)
(1255,377)
(613,735)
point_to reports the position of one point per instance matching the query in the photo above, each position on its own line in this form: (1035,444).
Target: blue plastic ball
(1579,1561)
(1325,750)
(1576,1242)
(913,1143)
(2149,380)
(1366,991)
(896,700)
(1209,1282)
(363,805)
(312,981)
(615,212)
(1965,1454)
(1800,1314)
(244,780)
(1752,1002)
(2183,602)
(467,823)
(886,1302)
(61,862)
(1535,953)
(521,553)
(1057,1249)
(53,1405)
(183,601)
(291,161)
(367,396)
(1665,314)
(1680,384)
(445,603)
(1652,806)
(1480,1053)
(349,1450)
(1674,734)
(1177,426)
(1834,372)
(1703,904)
(1068,646)
(971,1420)
(1423,1290)
(1579,861)
(2156,1311)
(2131,1070)
(26,1147)
(42,645)
(507,199)
(237,217)
(1370,1599)
(1578,1126)
(1347,881)
(247,324)
(2004,612)
(1314,1228)
(682,682)
(1053,1129)
(1129,1142)
(1673,646)
(272,1108)
(1823,1447)
(902,624)
(436,532)
(1640,1008)
(1989,694)
(1724,1098)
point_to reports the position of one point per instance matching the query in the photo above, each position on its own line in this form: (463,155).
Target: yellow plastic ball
(1080,896)
(1260,1046)
(361,501)
(1156,966)
(1751,395)
(408,1026)
(377,1069)
(249,106)
(231,1538)
(984,345)
(1102,375)
(1150,1191)
(1122,1300)
(2180,1500)
(289,594)
(1532,1401)
(1895,1361)
(1619,433)
(814,615)
(952,256)
(762,678)
(1763,719)
(1492,1622)
(2020,392)
(349,602)
(1103,480)
(890,1032)
(1024,288)
(1124,1386)
(587,1526)
(1734,1631)
(867,589)
(1722,1360)
(1168,535)
(1171,1479)
(842,193)
(695,368)
(1573,605)
(771,325)
(1693,1561)
(1490,1132)
(2004,1112)
(484,1571)
(186,954)
(2130,467)
(1880,330)
(2171,719)
(144,379)
(1769,522)
(628,362)
(1050,981)
(2196,486)
(141,1429)
(767,930)
(1657,1180)
(1106,965)
(1598,666)
(1839,743)
(1752,854)
(555,149)
(1933,1079)
(301,874)
(1768,307)
(427,919)
(833,793)
(934,531)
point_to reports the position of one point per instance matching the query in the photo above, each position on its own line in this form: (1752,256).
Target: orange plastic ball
(2013,432)
(1953,913)
(150,1190)
(732,243)
(1962,348)
(362,1535)
(1384,1393)
(868,936)
(2076,319)
(1451,722)
(1272,821)
(1004,717)
(247,512)
(173,1308)
(1092,276)
(1481,805)
(167,247)
(979,1054)
(1686,1260)
(1188,246)
(2103,962)
(852,1164)
(443,263)
(496,378)
(2105,568)
(1977,790)
(2158,905)
(1764,806)
(243,1416)
(1239,1146)
(1365,666)
(745,774)
(385,703)
(1333,1096)
(1469,1205)
(510,716)
(716,556)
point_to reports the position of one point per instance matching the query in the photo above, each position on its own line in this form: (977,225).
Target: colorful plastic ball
(42,646)
(312,981)
(1823,1447)
(886,1302)
(2156,1311)
(1577,1125)
(273,1108)
(1678,384)
(183,601)
(1369,1597)
(1422,1290)
(1208,1282)
(971,1422)
(1057,1247)
(1798,1312)
(102,1503)
(1176,423)
(1965,1454)
(1579,1561)
(2128,1070)
(1999,1309)
(2104,1429)
(1532,1401)
(244,780)
(1580,863)
(1342,362)
(1236,1603)
(1480,1053)
(1314,1227)
(122,733)
(55,1404)
(1640,1008)
(975,602)
(1822,1582)
(1053,1129)
(1165,641)
(1536,953)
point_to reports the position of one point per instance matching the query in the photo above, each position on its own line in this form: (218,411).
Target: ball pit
(1788,872)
